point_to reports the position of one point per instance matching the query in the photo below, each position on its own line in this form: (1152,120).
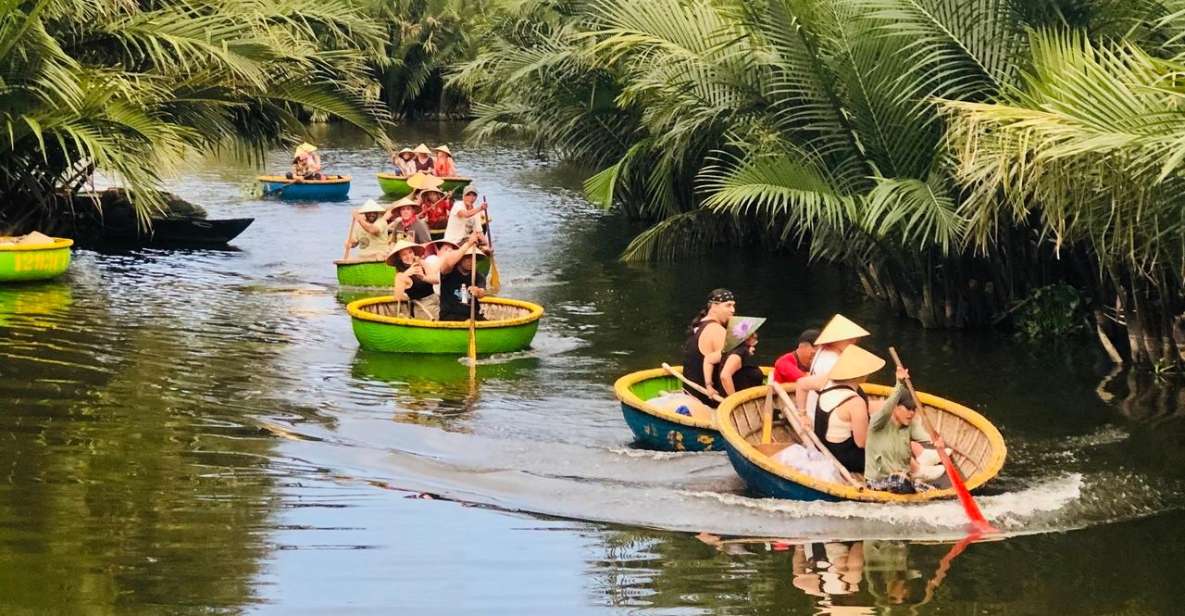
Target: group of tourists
(826,368)
(306,163)
(441,277)
(409,162)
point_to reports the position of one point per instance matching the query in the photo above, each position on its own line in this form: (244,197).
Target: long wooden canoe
(22,262)
(511,326)
(332,188)
(396,185)
(978,449)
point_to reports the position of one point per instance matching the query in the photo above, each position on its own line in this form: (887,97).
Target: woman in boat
(403,161)
(841,417)
(740,369)
(459,283)
(705,342)
(466,216)
(412,280)
(434,207)
(306,163)
(839,333)
(423,161)
(405,224)
(444,167)
(368,232)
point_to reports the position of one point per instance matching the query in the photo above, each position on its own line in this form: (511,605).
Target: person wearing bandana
(705,342)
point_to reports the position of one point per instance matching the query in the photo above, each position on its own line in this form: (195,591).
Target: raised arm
(450,260)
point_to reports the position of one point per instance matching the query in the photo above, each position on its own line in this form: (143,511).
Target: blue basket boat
(332,188)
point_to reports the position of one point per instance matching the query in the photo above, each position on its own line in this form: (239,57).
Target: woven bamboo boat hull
(511,326)
(657,428)
(396,185)
(334,189)
(376,274)
(23,262)
(979,449)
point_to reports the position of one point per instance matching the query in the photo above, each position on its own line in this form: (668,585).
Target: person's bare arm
(858,416)
(450,260)
(711,343)
(730,367)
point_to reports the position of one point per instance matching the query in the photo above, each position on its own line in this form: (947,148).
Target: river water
(195,431)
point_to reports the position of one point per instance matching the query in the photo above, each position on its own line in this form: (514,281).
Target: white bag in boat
(810,463)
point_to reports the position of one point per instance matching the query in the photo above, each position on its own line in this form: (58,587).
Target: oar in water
(349,235)
(978,522)
(809,439)
(495,281)
(472,323)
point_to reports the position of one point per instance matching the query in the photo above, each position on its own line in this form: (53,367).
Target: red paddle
(978,522)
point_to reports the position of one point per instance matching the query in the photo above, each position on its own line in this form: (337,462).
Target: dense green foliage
(132,88)
(956,154)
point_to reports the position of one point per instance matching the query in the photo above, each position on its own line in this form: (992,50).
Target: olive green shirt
(887,448)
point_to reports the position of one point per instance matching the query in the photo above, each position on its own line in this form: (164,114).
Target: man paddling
(456,275)
(368,232)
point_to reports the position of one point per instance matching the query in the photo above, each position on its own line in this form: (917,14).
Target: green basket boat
(396,185)
(376,273)
(21,262)
(511,326)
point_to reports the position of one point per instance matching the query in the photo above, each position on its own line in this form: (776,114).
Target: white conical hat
(854,363)
(840,328)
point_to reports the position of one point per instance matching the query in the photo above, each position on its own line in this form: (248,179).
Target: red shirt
(786,369)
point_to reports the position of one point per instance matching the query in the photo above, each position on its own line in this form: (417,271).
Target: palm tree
(133,88)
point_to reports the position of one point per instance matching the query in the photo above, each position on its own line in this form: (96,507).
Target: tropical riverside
(244,430)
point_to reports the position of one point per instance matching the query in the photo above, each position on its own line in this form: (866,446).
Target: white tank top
(838,428)
(823,362)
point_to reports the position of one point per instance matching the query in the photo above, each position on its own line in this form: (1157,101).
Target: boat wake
(684,492)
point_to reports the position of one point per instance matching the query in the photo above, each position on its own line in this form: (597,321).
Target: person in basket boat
(368,232)
(404,223)
(404,162)
(306,163)
(896,458)
(839,333)
(413,280)
(423,160)
(434,207)
(702,351)
(797,363)
(740,369)
(444,166)
(841,417)
(466,217)
(459,283)
(434,255)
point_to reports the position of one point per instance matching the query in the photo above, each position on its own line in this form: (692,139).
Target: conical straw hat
(393,258)
(305,148)
(474,251)
(739,329)
(854,363)
(444,148)
(421,181)
(405,202)
(371,206)
(422,149)
(840,328)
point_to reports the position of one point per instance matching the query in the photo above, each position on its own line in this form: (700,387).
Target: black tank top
(419,289)
(424,166)
(693,363)
(849,454)
(749,374)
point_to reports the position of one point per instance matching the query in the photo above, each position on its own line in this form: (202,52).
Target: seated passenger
(423,161)
(404,223)
(460,284)
(841,417)
(466,217)
(306,163)
(368,232)
(434,207)
(740,369)
(836,336)
(797,363)
(705,341)
(403,161)
(444,167)
(412,281)
(896,459)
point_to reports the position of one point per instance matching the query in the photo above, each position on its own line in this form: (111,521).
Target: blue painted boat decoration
(657,428)
(332,188)
(978,449)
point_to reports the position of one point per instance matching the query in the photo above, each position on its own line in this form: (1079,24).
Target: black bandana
(721,296)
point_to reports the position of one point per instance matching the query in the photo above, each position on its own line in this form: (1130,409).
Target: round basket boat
(978,449)
(376,273)
(396,185)
(657,428)
(332,188)
(510,326)
(21,262)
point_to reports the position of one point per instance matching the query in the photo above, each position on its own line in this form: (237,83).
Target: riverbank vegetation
(135,88)
(957,156)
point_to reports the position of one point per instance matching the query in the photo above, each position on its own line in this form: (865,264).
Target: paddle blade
(495,277)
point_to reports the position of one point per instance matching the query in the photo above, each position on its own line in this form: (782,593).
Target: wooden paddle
(809,439)
(495,281)
(767,417)
(349,234)
(978,522)
(689,383)
(472,318)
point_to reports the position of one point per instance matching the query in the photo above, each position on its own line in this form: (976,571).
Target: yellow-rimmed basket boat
(24,262)
(659,428)
(510,326)
(978,449)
